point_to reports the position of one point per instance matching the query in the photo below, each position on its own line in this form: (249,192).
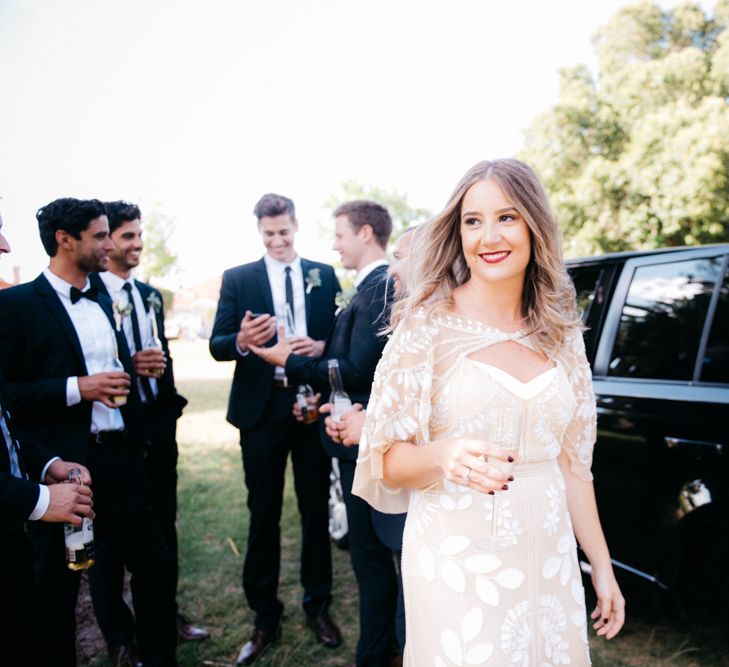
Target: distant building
(193,310)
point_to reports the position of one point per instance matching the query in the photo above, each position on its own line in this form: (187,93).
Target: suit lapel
(107,305)
(308,293)
(98,283)
(52,302)
(145,291)
(264,285)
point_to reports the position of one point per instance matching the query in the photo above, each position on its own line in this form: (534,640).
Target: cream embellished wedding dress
(484,585)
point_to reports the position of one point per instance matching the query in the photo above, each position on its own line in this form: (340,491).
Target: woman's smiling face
(495,237)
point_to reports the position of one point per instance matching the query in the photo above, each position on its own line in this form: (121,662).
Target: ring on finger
(467,476)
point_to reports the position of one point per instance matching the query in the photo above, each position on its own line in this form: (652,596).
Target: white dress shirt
(98,344)
(276,271)
(115,286)
(44,497)
(366,270)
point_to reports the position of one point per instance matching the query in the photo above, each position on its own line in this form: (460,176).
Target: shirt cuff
(41,507)
(73,393)
(240,352)
(46,466)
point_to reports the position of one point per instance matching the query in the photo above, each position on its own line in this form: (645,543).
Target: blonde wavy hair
(437,264)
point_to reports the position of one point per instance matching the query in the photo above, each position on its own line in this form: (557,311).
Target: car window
(585,280)
(715,367)
(662,319)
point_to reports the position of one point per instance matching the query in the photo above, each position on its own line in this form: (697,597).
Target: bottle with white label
(79,539)
(338,398)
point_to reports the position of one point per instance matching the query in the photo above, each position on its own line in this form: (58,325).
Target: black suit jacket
(247,287)
(167,396)
(18,497)
(356,342)
(39,350)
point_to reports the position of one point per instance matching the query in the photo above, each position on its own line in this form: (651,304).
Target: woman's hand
(276,355)
(465,461)
(609,614)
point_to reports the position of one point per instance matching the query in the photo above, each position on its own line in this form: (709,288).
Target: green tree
(158,261)
(637,155)
(403,215)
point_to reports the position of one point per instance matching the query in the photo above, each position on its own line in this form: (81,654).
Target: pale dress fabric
(515,597)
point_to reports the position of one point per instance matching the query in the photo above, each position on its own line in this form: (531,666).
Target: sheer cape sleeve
(579,437)
(398,411)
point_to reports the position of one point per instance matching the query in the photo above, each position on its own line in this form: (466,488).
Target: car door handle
(673,443)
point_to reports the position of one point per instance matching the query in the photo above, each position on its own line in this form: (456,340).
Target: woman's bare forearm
(409,466)
(582,507)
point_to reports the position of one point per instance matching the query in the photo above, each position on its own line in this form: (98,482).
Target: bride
(481,425)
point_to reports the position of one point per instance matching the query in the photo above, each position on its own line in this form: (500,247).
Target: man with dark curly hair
(140,314)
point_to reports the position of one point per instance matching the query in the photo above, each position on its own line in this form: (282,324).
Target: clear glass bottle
(79,539)
(115,365)
(338,398)
(307,402)
(153,341)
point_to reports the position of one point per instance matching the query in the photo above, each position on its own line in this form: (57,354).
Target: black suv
(658,343)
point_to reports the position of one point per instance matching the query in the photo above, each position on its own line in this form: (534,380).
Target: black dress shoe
(325,630)
(124,656)
(189,633)
(257,645)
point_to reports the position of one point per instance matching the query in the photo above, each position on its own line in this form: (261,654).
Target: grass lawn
(212,529)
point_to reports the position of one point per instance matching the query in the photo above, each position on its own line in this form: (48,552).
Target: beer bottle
(338,398)
(153,341)
(307,403)
(79,539)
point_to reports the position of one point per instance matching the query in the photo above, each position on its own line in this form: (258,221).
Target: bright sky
(198,108)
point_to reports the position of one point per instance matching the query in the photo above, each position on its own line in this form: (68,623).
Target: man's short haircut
(362,212)
(120,212)
(69,214)
(271,205)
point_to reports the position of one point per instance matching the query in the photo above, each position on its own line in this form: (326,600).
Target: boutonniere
(344,298)
(154,302)
(313,279)
(120,312)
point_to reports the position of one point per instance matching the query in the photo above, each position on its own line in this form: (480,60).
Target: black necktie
(91,293)
(290,294)
(147,393)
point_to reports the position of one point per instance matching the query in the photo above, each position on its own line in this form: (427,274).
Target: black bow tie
(91,293)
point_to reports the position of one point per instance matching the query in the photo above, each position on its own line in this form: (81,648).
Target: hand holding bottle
(150,362)
(339,399)
(79,535)
(110,387)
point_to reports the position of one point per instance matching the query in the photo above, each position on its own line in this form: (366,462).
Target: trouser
(106,578)
(265,450)
(389,528)
(125,523)
(376,575)
(19,608)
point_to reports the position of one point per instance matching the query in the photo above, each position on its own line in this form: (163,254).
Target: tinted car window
(716,359)
(585,280)
(662,319)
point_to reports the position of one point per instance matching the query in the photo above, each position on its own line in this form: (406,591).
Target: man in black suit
(58,354)
(361,234)
(252,296)
(23,500)
(135,303)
